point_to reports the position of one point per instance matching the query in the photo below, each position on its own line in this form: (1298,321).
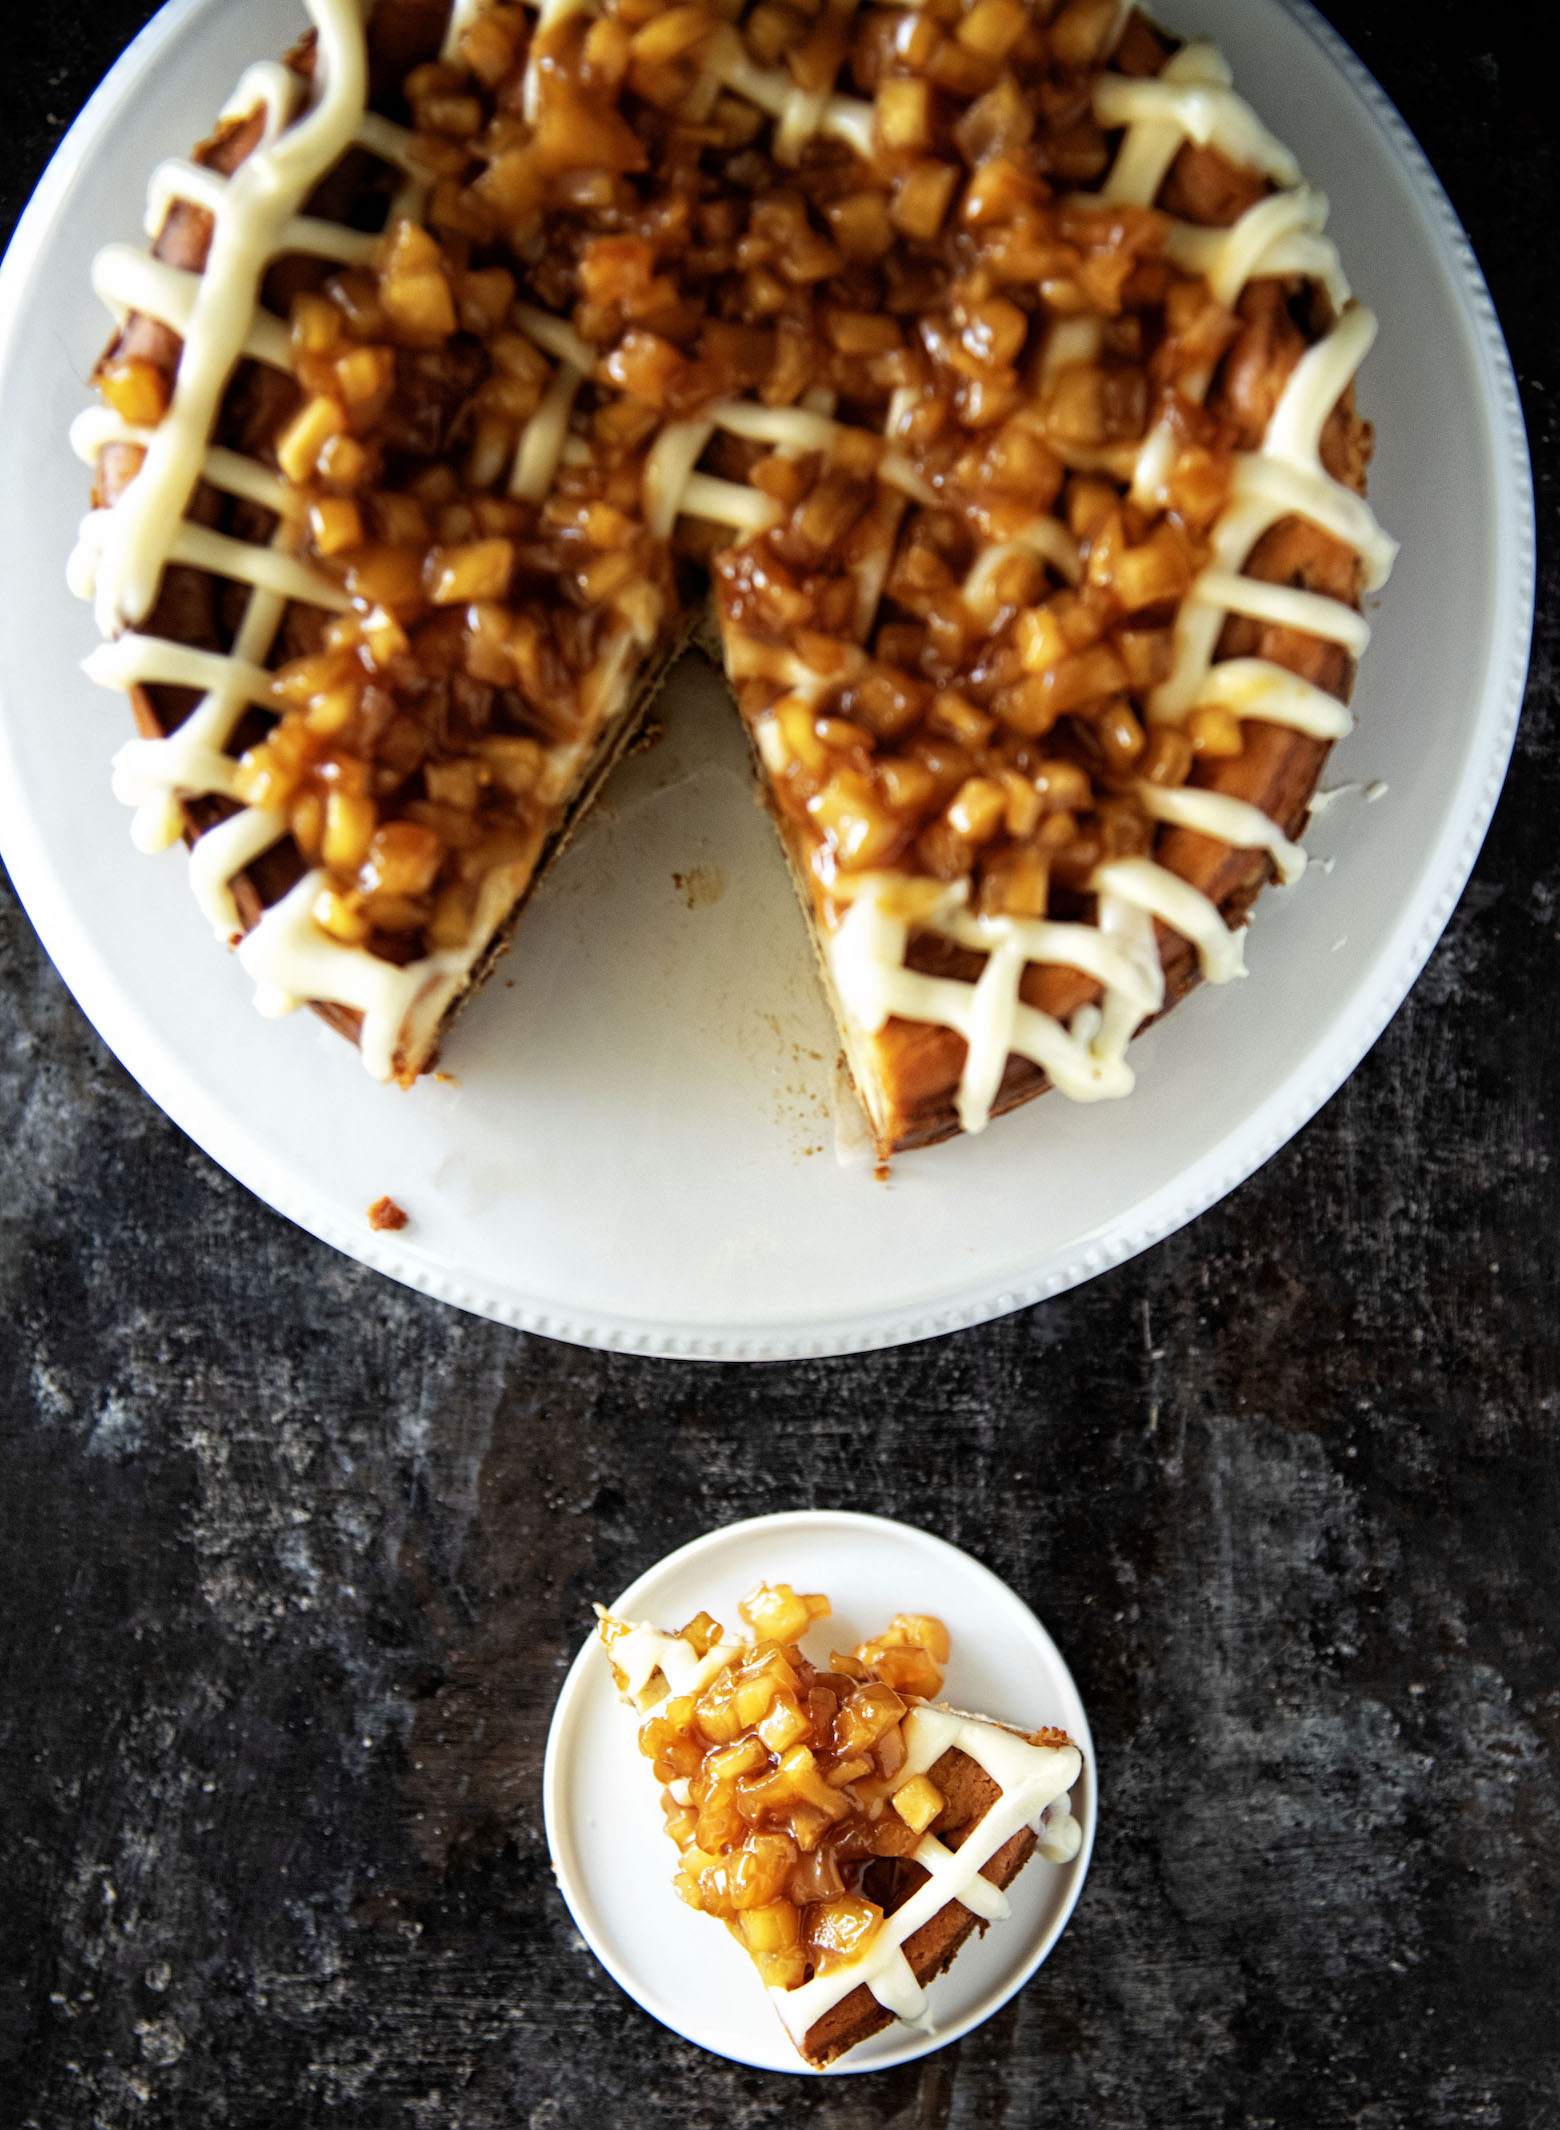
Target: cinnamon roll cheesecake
(976,376)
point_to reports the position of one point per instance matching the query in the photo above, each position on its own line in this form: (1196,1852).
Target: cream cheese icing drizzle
(292,960)
(253,214)
(257,216)
(122,553)
(639,1654)
(1034,1781)
(1191,100)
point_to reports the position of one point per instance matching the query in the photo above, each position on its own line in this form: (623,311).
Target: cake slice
(1057,616)
(849,1831)
(384,600)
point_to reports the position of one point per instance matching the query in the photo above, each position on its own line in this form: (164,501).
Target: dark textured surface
(293,1557)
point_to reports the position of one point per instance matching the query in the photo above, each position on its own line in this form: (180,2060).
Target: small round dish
(610,1854)
(633,1147)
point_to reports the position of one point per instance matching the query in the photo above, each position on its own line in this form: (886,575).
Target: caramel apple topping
(783,1786)
(985,359)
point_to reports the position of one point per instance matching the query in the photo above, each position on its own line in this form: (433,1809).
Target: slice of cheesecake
(849,1831)
(1058,612)
(383,597)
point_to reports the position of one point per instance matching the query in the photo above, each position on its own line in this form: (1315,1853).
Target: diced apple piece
(776,1614)
(673,1753)
(720,1825)
(783,1724)
(904,114)
(413,288)
(772,1928)
(403,859)
(350,822)
(909,1671)
(340,916)
(299,446)
(918,1802)
(335,524)
(890,1750)
(726,1762)
(838,1931)
(865,1716)
(922,198)
(759,1871)
(137,390)
(480,569)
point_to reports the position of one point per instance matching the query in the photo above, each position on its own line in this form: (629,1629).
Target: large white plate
(638,1153)
(604,1826)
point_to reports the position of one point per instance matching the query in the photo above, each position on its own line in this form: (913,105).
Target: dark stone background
(292,1557)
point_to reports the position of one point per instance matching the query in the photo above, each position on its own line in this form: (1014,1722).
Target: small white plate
(639,1150)
(610,1852)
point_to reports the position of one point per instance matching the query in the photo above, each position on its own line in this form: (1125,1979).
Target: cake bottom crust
(969,1793)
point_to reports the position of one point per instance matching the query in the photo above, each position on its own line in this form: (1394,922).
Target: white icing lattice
(638,1653)
(123,552)
(799,115)
(1191,100)
(1033,1782)
(257,217)
(253,218)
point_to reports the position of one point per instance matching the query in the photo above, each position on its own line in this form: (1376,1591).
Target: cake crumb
(700,886)
(385,1213)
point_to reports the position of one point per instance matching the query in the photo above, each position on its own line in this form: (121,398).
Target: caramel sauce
(784,1786)
(699,254)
